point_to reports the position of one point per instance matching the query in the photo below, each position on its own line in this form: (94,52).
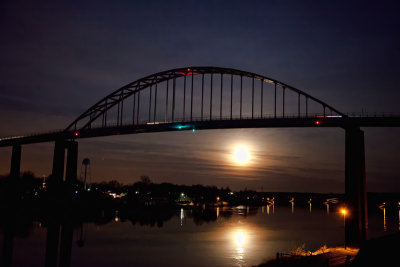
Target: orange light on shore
(343,211)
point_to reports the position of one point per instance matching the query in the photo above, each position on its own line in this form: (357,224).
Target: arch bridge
(195,98)
(197,94)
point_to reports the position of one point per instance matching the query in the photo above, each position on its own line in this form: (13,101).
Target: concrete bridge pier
(356,220)
(13,194)
(58,165)
(57,249)
(15,161)
(72,161)
(59,159)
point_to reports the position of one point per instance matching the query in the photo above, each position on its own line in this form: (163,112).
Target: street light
(344,212)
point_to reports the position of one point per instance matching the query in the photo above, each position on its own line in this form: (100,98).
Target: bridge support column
(355,187)
(72,161)
(15,161)
(56,249)
(59,158)
(58,161)
(12,193)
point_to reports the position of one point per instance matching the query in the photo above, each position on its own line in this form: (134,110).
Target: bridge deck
(343,122)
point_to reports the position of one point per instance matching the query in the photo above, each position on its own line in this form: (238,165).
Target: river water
(225,236)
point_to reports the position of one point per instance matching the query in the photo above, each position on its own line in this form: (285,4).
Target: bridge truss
(200,94)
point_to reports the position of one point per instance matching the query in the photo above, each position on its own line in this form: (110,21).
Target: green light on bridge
(182,127)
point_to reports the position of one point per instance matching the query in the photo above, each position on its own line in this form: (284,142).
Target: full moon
(241,155)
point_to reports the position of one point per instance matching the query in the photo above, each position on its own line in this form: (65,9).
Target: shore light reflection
(182,216)
(384,220)
(116,217)
(326,203)
(383,208)
(292,202)
(398,205)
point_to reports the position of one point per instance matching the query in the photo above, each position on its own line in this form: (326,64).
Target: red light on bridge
(76,134)
(189,72)
(317,122)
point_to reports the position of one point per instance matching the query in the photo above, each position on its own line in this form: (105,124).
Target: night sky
(58,58)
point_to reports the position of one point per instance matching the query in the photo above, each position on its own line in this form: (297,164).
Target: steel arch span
(201,94)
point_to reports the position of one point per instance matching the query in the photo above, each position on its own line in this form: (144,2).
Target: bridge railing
(62,133)
(219,118)
(53,132)
(372,114)
(194,119)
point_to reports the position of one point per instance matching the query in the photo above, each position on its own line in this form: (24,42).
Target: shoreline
(382,251)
